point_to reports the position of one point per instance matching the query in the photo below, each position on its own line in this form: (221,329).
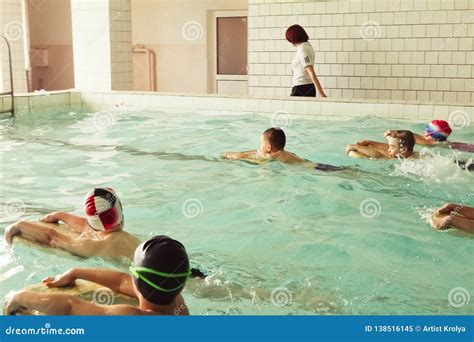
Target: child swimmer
(400,144)
(272,147)
(100,233)
(158,275)
(436,134)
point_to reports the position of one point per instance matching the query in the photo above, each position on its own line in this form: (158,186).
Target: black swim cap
(169,259)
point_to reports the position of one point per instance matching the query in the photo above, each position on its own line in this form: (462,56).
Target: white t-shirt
(304,57)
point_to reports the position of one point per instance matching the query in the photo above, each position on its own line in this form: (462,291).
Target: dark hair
(165,255)
(276,137)
(407,140)
(296,34)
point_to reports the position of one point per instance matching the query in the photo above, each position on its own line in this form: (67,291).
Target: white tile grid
(323,109)
(429,42)
(310,109)
(10,15)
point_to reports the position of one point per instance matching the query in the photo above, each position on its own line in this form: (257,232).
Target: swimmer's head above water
(272,140)
(103,210)
(160,269)
(400,143)
(438,130)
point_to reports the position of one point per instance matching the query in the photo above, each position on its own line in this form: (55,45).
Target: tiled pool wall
(37,103)
(376,49)
(308,108)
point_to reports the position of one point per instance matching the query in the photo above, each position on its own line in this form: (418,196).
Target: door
(228,51)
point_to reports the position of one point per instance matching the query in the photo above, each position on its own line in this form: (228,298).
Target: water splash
(425,213)
(433,167)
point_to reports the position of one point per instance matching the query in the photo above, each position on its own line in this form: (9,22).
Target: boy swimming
(454,215)
(400,144)
(436,134)
(272,147)
(158,275)
(100,233)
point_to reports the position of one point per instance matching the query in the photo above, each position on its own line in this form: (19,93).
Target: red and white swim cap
(103,209)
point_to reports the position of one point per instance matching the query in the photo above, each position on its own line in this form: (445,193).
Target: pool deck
(327,109)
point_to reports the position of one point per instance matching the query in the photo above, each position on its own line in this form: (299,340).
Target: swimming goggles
(138,273)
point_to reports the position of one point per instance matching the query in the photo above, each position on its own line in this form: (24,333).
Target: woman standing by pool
(305,81)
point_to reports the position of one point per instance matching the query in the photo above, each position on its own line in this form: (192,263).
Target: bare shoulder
(120,235)
(128,310)
(291,158)
(135,311)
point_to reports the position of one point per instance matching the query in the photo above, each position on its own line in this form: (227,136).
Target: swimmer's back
(119,245)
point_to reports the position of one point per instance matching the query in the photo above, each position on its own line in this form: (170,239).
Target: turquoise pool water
(277,239)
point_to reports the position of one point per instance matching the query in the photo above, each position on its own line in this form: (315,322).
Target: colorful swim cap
(438,129)
(103,209)
(160,269)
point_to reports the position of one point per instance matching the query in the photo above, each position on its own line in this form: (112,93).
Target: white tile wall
(102,44)
(11,26)
(34,103)
(410,49)
(323,109)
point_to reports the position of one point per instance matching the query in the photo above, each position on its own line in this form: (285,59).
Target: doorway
(228,70)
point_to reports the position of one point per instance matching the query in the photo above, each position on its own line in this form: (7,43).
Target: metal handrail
(12,109)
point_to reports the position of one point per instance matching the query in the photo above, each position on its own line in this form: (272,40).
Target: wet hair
(407,140)
(296,34)
(276,137)
(164,255)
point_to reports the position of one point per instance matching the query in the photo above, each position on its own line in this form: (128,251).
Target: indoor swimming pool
(274,239)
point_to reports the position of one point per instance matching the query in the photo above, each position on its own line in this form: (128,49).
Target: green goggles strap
(136,273)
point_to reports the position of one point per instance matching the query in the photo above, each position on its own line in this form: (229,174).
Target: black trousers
(304,90)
